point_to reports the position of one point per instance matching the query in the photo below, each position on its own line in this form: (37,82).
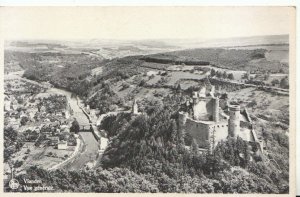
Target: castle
(203,117)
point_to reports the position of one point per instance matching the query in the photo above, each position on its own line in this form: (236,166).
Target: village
(43,122)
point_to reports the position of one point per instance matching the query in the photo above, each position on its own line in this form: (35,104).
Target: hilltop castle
(204,118)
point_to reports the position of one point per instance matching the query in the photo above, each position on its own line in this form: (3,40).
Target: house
(43,109)
(7,103)
(58,114)
(14,123)
(54,140)
(62,145)
(64,128)
(31,115)
(14,105)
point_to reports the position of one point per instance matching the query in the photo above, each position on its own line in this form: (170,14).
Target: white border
(182,3)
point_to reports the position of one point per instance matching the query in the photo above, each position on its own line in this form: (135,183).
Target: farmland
(44,157)
(254,61)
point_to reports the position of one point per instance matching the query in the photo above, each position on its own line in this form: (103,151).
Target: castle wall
(202,132)
(221,131)
(199,131)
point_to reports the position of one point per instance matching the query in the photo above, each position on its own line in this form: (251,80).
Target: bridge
(85,128)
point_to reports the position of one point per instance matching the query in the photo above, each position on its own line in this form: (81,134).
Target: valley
(115,110)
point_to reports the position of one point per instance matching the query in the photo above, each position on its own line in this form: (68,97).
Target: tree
(18,164)
(178,88)
(13,142)
(41,139)
(218,74)
(281,70)
(28,151)
(125,85)
(212,72)
(230,76)
(246,76)
(284,83)
(64,136)
(194,147)
(75,127)
(24,120)
(266,135)
(275,82)
(266,76)
(142,82)
(224,75)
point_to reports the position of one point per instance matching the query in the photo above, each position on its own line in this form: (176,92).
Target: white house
(62,145)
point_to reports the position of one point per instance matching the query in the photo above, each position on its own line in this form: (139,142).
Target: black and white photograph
(148,99)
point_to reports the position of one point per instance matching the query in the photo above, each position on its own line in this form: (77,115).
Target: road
(87,155)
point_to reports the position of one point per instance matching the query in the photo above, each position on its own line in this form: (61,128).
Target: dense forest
(174,60)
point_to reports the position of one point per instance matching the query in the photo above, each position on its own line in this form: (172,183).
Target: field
(96,71)
(237,74)
(176,76)
(44,157)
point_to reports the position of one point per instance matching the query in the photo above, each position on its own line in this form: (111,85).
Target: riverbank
(69,158)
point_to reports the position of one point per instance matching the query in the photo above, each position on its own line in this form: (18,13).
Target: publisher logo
(14,184)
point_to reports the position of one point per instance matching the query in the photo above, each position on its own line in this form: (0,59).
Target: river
(89,150)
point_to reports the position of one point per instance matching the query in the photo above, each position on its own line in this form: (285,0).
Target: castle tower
(195,98)
(234,120)
(212,91)
(202,92)
(134,107)
(215,109)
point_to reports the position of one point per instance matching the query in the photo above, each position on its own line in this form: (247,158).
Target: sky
(143,22)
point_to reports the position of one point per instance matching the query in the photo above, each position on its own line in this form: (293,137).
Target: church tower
(134,107)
